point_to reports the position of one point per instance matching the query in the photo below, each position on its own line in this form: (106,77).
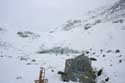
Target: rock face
(79,70)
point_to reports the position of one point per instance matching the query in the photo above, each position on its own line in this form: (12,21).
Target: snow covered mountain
(99,34)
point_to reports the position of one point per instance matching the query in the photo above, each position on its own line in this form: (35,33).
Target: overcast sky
(43,14)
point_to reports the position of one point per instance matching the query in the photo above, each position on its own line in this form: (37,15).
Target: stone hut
(79,70)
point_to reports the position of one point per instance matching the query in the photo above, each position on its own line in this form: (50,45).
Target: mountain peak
(119,5)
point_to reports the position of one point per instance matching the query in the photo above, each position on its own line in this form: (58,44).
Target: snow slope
(101,34)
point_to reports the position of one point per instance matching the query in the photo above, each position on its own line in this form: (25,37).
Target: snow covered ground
(104,40)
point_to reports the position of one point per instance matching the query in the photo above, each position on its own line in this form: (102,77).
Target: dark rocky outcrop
(26,34)
(59,50)
(99,72)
